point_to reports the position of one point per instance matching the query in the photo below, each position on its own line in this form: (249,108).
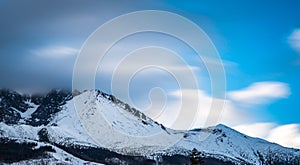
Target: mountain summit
(47,128)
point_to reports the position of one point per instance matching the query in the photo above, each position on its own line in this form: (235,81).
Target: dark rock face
(37,99)
(9,116)
(49,105)
(13,99)
(13,103)
(43,135)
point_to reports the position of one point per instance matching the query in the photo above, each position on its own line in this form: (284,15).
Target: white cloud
(286,135)
(229,115)
(260,130)
(260,92)
(232,114)
(294,40)
(55,51)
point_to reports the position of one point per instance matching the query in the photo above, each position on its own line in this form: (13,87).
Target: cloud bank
(287,135)
(255,94)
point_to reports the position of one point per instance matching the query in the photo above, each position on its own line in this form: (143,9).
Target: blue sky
(255,36)
(258,41)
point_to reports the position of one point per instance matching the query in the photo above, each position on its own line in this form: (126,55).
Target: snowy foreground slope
(48,128)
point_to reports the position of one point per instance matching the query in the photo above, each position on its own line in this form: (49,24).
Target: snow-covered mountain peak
(94,122)
(115,125)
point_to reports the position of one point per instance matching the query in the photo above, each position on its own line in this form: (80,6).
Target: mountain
(47,128)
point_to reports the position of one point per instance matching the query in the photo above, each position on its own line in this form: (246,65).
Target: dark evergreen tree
(195,157)
(269,157)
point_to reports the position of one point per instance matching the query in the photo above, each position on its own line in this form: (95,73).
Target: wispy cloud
(55,51)
(294,40)
(260,92)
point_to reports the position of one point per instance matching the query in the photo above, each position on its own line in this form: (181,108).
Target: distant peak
(222,126)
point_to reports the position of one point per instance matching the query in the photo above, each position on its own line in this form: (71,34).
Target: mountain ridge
(58,125)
